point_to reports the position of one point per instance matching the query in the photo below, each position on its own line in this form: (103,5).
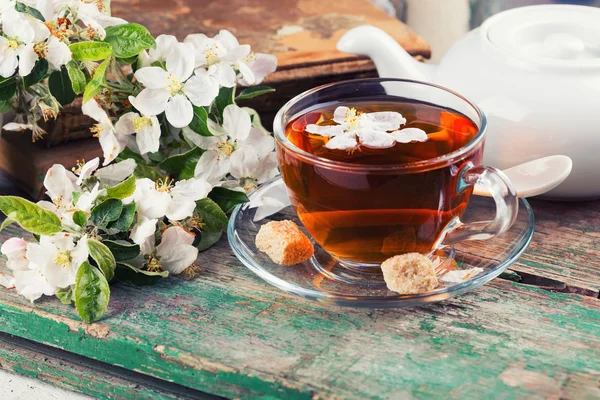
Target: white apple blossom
(60,185)
(27,277)
(175,90)
(376,130)
(93,14)
(255,67)
(164,46)
(58,257)
(107,176)
(175,252)
(250,170)
(21,33)
(105,131)
(146,130)
(236,132)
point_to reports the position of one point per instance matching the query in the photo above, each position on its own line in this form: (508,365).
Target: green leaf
(91,51)
(144,171)
(60,87)
(212,216)
(158,156)
(255,91)
(80,218)
(122,251)
(199,122)
(30,216)
(123,223)
(6,223)
(224,99)
(130,274)
(160,64)
(5,106)
(20,7)
(128,60)
(91,293)
(103,257)
(95,86)
(8,88)
(66,296)
(128,40)
(175,164)
(189,169)
(38,73)
(76,76)
(123,189)
(130,154)
(227,199)
(208,239)
(106,212)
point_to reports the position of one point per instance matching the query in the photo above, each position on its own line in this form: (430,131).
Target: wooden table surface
(534,332)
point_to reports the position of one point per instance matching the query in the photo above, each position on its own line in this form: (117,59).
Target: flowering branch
(178,152)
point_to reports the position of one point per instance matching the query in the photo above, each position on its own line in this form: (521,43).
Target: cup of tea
(380,167)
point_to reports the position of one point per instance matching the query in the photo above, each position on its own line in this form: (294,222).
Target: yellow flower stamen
(152,263)
(224,149)
(97,130)
(164,185)
(192,272)
(249,58)
(41,49)
(211,54)
(173,85)
(11,44)
(63,258)
(141,122)
(78,166)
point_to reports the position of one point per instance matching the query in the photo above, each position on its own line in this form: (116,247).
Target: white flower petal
(346,141)
(247,77)
(261,66)
(8,59)
(152,101)
(461,275)
(27,59)
(152,77)
(201,90)
(92,109)
(223,73)
(39,254)
(148,138)
(376,139)
(227,39)
(193,189)
(383,120)
(7,281)
(58,53)
(267,168)
(143,229)
(408,135)
(150,202)
(236,122)
(200,42)
(176,251)
(260,141)
(164,46)
(60,184)
(212,168)
(15,26)
(325,130)
(340,113)
(179,111)
(32,284)
(111,147)
(244,163)
(116,173)
(181,61)
(203,142)
(180,208)
(13,126)
(124,125)
(88,169)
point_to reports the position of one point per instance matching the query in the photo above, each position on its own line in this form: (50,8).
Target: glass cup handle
(505,196)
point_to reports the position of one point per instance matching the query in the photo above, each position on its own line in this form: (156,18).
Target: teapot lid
(557,35)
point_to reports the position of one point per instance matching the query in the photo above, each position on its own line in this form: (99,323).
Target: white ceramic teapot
(535,71)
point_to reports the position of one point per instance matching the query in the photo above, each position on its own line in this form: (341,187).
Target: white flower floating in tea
(376,130)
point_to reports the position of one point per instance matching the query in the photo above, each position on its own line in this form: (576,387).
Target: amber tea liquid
(369,216)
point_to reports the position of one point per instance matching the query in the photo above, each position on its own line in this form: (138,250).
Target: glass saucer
(323,279)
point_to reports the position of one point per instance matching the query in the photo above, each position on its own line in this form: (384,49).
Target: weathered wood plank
(84,375)
(230,334)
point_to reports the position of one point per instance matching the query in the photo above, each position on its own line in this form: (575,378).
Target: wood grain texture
(298,32)
(230,334)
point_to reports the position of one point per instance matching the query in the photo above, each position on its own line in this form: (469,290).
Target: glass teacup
(362,214)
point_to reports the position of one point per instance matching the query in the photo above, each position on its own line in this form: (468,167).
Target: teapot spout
(390,59)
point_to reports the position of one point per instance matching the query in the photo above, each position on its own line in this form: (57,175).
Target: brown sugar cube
(284,243)
(409,273)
